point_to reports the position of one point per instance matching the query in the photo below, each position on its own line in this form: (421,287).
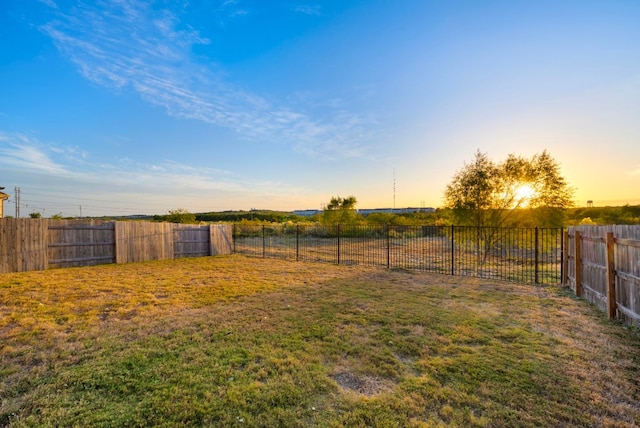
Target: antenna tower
(394,188)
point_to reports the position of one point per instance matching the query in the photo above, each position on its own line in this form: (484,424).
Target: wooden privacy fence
(603,267)
(39,244)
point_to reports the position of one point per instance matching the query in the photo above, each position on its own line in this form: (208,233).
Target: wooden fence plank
(143,241)
(22,245)
(221,239)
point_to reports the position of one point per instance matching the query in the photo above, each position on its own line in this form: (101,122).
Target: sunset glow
(523,195)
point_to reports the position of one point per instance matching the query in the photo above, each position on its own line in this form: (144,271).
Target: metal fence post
(564,238)
(452,250)
(388,246)
(297,242)
(264,251)
(537,257)
(338,235)
(233,237)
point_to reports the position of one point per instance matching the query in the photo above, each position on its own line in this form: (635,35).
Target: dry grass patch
(234,341)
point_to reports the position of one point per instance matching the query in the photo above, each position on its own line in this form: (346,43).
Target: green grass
(236,341)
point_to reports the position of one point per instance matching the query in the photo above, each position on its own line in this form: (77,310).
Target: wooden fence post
(118,244)
(578,260)
(611,277)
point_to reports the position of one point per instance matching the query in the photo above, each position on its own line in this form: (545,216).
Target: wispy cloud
(634,172)
(49,3)
(232,9)
(27,155)
(129,45)
(308,9)
(18,151)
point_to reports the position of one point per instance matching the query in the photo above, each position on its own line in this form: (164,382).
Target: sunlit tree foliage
(489,194)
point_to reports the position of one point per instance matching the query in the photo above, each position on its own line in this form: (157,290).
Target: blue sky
(140,107)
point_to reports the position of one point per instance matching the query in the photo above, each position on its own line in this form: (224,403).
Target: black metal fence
(528,255)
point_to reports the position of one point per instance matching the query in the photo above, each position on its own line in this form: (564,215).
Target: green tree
(471,194)
(35,214)
(340,210)
(338,203)
(180,215)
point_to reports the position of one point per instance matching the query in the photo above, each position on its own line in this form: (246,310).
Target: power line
(68,205)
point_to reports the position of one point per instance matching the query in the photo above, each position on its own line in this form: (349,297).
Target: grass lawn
(236,341)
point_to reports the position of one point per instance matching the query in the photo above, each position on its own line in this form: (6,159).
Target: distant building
(365,212)
(307,213)
(3,197)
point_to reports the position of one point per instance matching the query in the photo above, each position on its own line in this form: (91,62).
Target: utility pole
(17,190)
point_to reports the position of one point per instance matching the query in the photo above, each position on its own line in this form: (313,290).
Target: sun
(523,194)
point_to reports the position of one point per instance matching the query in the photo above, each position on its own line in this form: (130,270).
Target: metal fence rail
(529,255)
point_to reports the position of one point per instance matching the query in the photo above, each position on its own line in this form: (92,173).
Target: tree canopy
(338,203)
(486,193)
(340,210)
(180,215)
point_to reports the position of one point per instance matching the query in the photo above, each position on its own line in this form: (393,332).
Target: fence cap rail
(107,226)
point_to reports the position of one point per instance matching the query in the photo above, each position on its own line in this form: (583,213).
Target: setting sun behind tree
(523,194)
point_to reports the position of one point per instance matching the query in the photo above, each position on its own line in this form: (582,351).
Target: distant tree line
(627,214)
(182,216)
(523,217)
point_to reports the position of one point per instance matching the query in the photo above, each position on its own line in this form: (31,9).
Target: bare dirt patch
(365,385)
